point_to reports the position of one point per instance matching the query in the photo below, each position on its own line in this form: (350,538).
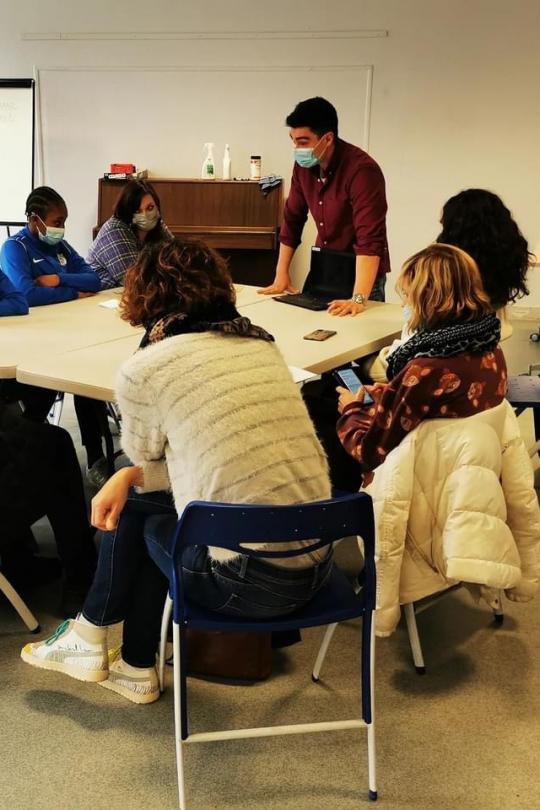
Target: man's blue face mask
(305,156)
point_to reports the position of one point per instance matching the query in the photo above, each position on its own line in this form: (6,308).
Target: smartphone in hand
(349,378)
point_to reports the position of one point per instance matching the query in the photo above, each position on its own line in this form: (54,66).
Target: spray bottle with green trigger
(208,171)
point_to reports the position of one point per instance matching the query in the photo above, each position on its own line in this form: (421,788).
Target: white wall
(455,91)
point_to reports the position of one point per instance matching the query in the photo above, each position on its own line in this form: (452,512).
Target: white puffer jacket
(455,502)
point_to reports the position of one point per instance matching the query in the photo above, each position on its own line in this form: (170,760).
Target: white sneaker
(76,649)
(137,685)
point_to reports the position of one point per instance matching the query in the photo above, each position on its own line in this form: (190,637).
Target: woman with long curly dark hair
(478,222)
(209,412)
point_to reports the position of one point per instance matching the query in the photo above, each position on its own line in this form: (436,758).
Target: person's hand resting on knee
(107,505)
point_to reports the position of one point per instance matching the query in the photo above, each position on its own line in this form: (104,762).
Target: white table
(49,331)
(356,336)
(91,371)
(246,295)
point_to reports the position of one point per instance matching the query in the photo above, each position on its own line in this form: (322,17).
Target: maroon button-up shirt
(348,205)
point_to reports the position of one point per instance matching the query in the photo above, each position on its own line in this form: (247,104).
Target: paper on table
(300,375)
(110,303)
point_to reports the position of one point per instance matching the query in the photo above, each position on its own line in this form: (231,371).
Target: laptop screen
(331,274)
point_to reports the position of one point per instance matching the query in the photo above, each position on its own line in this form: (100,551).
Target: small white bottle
(227,163)
(208,171)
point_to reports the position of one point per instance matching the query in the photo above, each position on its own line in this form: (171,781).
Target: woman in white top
(209,412)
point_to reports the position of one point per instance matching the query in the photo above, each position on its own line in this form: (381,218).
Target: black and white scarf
(222,318)
(470,337)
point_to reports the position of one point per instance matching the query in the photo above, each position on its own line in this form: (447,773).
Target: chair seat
(336,601)
(524,391)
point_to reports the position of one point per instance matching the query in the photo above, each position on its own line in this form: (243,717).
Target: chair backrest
(229,526)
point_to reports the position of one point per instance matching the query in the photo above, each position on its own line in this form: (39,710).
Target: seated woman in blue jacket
(39,262)
(12,302)
(47,270)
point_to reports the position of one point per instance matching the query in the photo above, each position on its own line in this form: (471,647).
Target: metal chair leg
(414,639)
(20,606)
(322,652)
(113,413)
(326,643)
(178,717)
(372,769)
(165,620)
(55,413)
(498,614)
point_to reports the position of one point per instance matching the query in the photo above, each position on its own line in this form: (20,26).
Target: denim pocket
(237,605)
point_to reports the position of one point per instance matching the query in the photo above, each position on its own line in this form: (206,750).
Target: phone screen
(349,379)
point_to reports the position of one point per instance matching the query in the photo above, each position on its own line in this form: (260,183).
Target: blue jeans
(129,587)
(244,586)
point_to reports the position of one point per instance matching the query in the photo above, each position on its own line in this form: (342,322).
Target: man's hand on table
(279,286)
(344,306)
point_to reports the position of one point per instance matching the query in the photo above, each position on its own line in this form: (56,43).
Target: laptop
(331,275)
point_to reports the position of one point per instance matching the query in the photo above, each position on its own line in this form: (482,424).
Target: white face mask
(52,236)
(145,222)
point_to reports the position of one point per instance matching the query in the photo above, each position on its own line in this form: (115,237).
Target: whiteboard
(160,118)
(16,147)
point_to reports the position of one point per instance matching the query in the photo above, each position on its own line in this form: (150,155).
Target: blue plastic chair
(229,525)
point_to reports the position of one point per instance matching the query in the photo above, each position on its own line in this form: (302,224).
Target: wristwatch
(359,299)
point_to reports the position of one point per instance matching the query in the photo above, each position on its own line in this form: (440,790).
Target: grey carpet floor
(465,735)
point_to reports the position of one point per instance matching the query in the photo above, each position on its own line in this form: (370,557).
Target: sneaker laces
(60,630)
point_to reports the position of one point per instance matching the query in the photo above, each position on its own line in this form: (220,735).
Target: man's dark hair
(315,113)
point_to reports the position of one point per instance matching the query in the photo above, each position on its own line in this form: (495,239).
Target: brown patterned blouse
(427,388)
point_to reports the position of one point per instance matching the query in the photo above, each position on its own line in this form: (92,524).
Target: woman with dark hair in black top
(478,222)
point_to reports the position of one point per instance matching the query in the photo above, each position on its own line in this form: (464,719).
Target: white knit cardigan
(217,417)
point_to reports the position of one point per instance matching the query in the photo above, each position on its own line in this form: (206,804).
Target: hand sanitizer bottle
(227,163)
(208,171)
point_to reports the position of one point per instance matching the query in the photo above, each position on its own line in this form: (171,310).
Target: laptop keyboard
(303,300)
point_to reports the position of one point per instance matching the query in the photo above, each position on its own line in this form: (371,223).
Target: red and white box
(122,168)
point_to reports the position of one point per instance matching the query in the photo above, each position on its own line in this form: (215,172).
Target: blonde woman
(450,367)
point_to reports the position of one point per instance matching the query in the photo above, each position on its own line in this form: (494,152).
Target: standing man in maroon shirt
(343,188)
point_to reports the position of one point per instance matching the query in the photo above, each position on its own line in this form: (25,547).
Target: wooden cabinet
(230,215)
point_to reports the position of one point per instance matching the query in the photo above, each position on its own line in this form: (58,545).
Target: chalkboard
(16,148)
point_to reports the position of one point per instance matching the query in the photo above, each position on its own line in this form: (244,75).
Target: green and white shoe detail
(76,649)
